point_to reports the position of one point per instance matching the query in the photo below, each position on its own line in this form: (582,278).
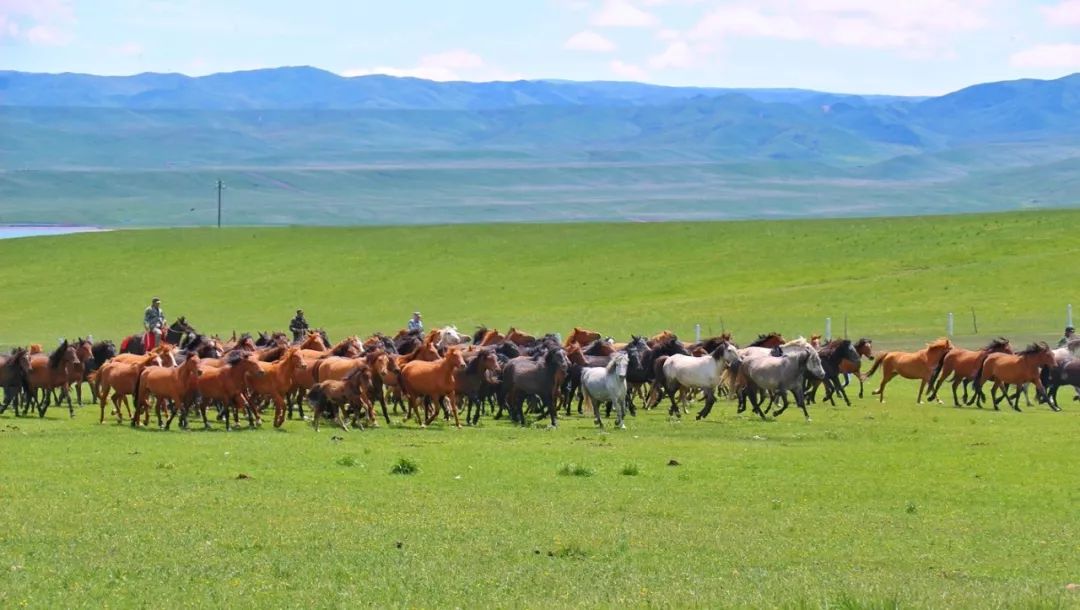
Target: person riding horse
(1069,333)
(298,326)
(416,323)
(153,322)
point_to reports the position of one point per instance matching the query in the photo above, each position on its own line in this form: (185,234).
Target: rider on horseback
(154,323)
(416,323)
(298,326)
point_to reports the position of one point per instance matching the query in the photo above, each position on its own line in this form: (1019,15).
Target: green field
(870,506)
(895,279)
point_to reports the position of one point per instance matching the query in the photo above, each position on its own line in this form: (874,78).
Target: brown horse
(165,384)
(1019,369)
(277,380)
(434,381)
(314,341)
(121,378)
(491,337)
(964,365)
(865,348)
(54,371)
(769,340)
(918,365)
(15,378)
(661,338)
(580,336)
(334,395)
(519,338)
(481,369)
(228,385)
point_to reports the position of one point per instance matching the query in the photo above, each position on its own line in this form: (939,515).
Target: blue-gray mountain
(300,145)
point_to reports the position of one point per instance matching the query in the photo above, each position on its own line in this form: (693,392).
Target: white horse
(697,372)
(600,384)
(449,336)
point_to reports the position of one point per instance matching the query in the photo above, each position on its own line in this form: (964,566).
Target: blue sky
(916,47)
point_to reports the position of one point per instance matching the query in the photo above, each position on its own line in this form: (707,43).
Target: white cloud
(678,54)
(588,40)
(1048,56)
(625,70)
(1064,13)
(912,27)
(456,64)
(37,22)
(622,14)
(129,48)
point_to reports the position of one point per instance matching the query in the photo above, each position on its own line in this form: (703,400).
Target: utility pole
(220,186)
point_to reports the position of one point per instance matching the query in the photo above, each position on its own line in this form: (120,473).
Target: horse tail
(877,362)
(135,393)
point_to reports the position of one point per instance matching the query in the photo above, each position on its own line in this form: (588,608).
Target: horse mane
(236,356)
(999,343)
(833,346)
(479,334)
(473,366)
(341,346)
(797,342)
(274,353)
(761,339)
(58,354)
(942,342)
(863,341)
(1035,348)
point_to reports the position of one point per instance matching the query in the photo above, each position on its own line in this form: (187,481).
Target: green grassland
(894,279)
(869,506)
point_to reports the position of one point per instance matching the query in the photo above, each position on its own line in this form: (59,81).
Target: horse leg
(279,409)
(922,386)
(552,409)
(783,400)
(454,409)
(1016,397)
(620,411)
(710,400)
(886,376)
(993,393)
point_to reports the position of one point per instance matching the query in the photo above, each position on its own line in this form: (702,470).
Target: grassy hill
(895,279)
(892,505)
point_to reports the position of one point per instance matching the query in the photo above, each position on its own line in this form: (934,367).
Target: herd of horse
(444,372)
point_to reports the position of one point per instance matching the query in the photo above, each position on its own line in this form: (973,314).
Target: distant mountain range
(306,88)
(306,145)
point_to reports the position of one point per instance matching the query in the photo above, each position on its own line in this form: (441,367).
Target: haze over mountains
(301,145)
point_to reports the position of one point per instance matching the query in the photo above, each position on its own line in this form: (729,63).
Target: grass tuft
(575,470)
(630,470)
(404,466)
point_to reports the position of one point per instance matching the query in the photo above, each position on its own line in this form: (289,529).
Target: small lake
(10,231)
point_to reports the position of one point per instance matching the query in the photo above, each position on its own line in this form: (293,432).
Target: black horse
(15,379)
(537,376)
(832,355)
(175,335)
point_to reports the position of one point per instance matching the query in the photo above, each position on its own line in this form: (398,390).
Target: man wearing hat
(416,323)
(154,323)
(298,326)
(1070,332)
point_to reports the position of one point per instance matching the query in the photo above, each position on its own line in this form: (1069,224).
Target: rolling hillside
(303,146)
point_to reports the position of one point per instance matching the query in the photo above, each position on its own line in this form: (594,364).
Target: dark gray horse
(534,376)
(781,374)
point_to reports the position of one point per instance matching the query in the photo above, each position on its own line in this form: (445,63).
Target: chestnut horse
(54,371)
(432,380)
(580,336)
(172,384)
(1019,369)
(517,337)
(277,380)
(121,378)
(918,365)
(964,365)
(226,384)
